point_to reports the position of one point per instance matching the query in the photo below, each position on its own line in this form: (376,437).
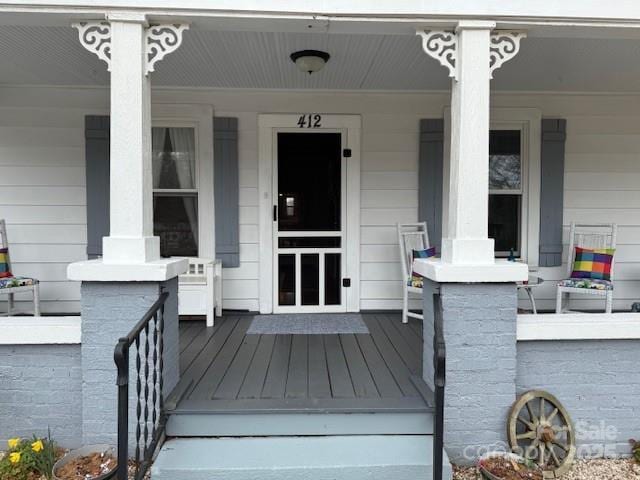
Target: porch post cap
(128,17)
(475,25)
(501,271)
(155,271)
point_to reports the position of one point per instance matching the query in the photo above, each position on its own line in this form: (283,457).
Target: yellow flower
(37,446)
(13,442)
(14,457)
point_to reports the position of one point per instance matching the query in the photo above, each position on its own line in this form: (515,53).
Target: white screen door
(309,212)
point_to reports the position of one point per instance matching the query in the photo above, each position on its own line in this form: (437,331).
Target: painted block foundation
(41,388)
(480,334)
(109,311)
(598,382)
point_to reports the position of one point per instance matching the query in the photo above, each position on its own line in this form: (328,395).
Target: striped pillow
(593,263)
(4,263)
(416,279)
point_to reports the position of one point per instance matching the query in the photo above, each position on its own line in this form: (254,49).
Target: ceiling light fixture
(310,61)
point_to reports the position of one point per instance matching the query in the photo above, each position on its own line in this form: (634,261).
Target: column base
(468,251)
(99,271)
(130,249)
(440,271)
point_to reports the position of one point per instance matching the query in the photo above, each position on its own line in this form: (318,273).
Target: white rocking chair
(411,236)
(13,284)
(593,236)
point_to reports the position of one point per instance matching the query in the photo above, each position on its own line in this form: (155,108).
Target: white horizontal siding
(38,175)
(602,184)
(42,180)
(43,198)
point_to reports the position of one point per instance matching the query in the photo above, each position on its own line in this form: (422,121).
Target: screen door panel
(308,221)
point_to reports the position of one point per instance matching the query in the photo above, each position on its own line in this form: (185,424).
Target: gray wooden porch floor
(227,371)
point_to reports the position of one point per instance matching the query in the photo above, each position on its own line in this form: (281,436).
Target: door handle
(275,213)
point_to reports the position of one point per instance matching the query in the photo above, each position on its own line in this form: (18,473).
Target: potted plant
(25,458)
(508,466)
(635,449)
(93,462)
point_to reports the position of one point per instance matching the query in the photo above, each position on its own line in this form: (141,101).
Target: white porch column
(119,288)
(467,241)
(130,48)
(477,295)
(471,53)
(131,237)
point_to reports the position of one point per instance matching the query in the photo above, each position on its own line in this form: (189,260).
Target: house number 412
(312,120)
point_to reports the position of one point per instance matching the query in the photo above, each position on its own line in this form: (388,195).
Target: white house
(136,133)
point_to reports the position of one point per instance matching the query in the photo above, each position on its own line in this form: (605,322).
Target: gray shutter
(97,177)
(430,177)
(226,190)
(551,191)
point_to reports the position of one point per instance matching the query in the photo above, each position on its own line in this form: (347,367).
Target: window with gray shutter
(97,182)
(552,191)
(226,190)
(430,165)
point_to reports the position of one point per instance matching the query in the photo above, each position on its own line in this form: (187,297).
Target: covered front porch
(87,215)
(226,371)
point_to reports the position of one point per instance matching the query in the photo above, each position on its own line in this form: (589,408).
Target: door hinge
(346,282)
(346,153)
(275,213)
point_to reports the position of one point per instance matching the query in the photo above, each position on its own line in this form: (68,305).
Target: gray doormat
(308,324)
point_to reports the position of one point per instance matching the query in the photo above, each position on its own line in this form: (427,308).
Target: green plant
(25,457)
(635,449)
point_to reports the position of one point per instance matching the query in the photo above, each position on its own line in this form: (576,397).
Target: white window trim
(266,125)
(528,120)
(579,326)
(199,117)
(523,191)
(40,330)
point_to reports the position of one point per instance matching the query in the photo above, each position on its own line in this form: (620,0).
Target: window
(506,191)
(175,191)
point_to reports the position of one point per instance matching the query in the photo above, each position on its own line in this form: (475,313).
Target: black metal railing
(148,339)
(439,377)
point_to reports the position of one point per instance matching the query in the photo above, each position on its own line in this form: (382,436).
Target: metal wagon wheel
(540,429)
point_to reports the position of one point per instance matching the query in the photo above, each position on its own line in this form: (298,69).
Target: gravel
(597,469)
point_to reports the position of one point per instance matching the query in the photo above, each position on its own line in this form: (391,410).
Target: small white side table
(528,287)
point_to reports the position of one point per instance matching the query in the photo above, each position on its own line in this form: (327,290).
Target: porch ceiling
(38,55)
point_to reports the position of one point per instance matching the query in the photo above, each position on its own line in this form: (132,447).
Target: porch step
(352,457)
(298,424)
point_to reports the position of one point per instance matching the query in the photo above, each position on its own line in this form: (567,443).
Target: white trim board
(40,330)
(360,17)
(579,326)
(267,125)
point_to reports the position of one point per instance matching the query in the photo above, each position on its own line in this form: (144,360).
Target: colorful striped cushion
(4,263)
(588,283)
(593,263)
(12,282)
(416,279)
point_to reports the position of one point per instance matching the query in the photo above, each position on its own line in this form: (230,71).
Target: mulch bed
(507,469)
(595,469)
(60,453)
(87,467)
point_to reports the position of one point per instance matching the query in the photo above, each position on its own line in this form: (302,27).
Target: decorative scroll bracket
(95,36)
(161,40)
(443,46)
(503,47)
